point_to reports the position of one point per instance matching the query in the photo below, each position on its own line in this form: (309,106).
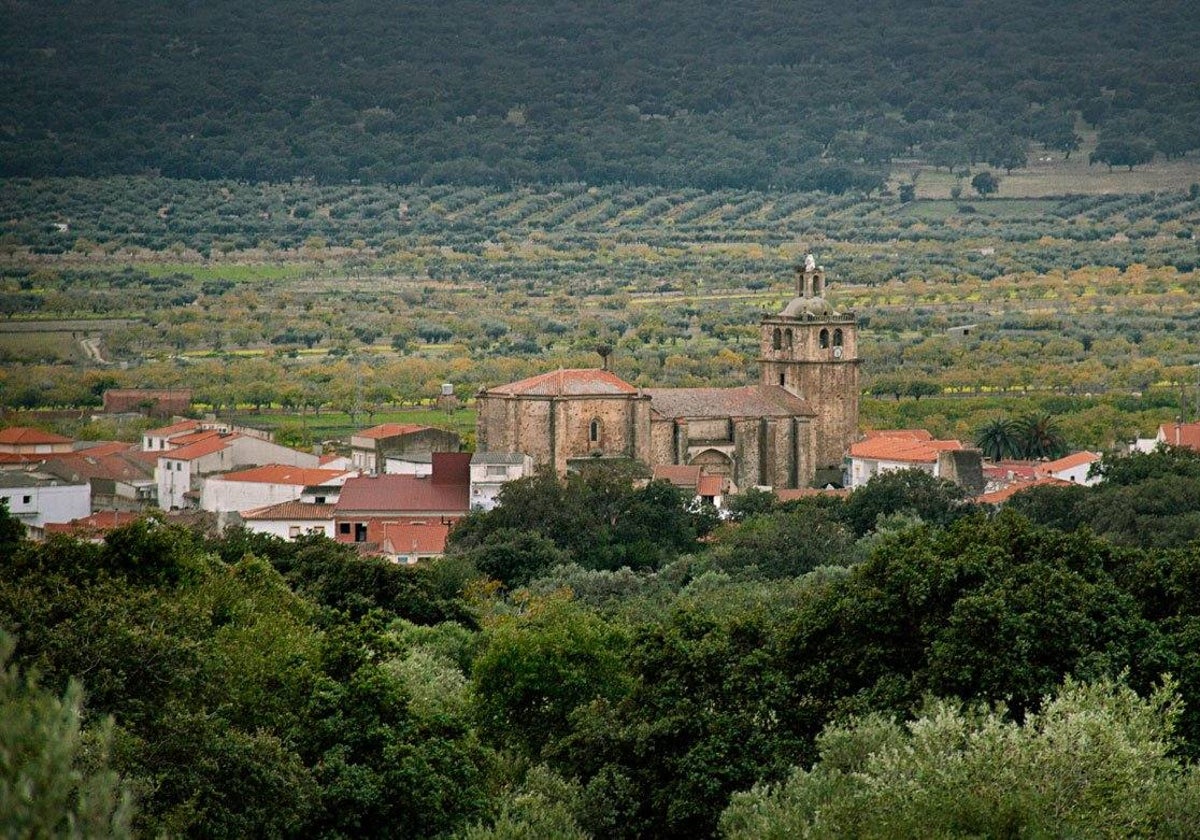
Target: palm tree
(998,439)
(1040,436)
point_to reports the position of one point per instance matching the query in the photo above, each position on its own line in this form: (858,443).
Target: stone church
(789,430)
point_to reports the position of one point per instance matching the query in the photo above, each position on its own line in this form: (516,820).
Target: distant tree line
(807,96)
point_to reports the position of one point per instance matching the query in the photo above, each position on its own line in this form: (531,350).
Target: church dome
(808,307)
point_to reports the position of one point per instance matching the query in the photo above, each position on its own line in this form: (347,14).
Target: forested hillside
(694,93)
(592,659)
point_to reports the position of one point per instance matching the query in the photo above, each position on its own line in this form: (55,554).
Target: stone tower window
(787,339)
(823,339)
(594,430)
(777,339)
(837,338)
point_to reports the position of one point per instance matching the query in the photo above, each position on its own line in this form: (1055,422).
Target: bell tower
(811,351)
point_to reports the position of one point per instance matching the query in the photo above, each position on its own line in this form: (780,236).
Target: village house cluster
(402,487)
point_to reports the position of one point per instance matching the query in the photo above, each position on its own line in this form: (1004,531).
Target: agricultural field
(303,301)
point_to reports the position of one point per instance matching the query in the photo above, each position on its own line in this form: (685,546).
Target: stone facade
(789,430)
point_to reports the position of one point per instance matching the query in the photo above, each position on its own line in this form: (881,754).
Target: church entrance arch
(713,462)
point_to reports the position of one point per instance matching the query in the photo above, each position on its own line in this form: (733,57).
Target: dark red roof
(574,382)
(398,494)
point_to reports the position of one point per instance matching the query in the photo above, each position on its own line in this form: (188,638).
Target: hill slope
(691,92)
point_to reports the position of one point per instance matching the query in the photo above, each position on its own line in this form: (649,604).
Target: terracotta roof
(387,430)
(1010,469)
(282,474)
(290,510)
(198,450)
(910,434)
(173,429)
(121,466)
(999,497)
(576,382)
(401,494)
(681,475)
(108,447)
(746,401)
(1180,434)
(188,439)
(901,449)
(25,436)
(710,485)
(1075,459)
(98,523)
(415,537)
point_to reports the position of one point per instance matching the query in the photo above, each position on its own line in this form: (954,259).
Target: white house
(492,470)
(1073,468)
(884,452)
(289,520)
(38,499)
(159,440)
(262,486)
(179,470)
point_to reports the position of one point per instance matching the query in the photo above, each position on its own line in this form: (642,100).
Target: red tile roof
(25,436)
(398,494)
(198,450)
(567,382)
(1181,434)
(387,430)
(415,537)
(121,466)
(746,401)
(290,510)
(283,474)
(999,497)
(188,439)
(94,525)
(174,429)
(110,447)
(902,449)
(710,485)
(1075,459)
(1010,469)
(681,475)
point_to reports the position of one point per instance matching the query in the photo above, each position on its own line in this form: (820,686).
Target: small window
(26,500)
(497,470)
(320,500)
(594,431)
(787,339)
(837,338)
(344,528)
(293,531)
(823,339)
(777,339)
(319,530)
(782,379)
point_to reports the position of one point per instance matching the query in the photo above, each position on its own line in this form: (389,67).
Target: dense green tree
(985,183)
(1094,762)
(911,491)
(56,778)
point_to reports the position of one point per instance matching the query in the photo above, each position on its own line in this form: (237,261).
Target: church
(791,429)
